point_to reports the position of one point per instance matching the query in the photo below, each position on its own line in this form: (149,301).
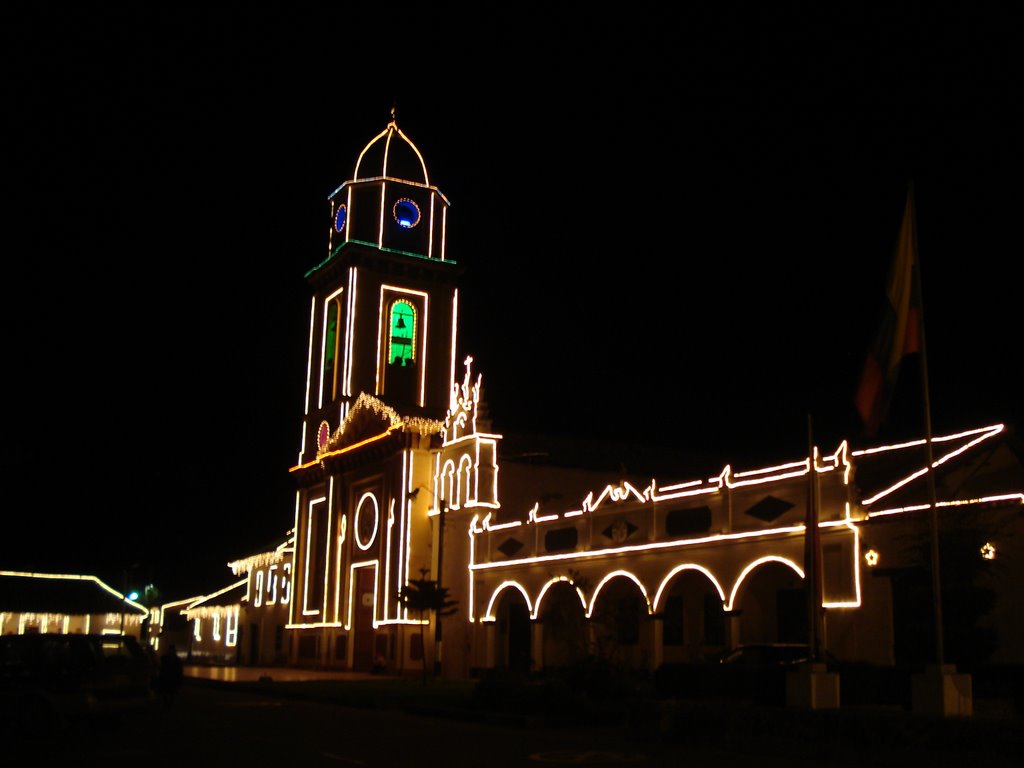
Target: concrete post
(536,646)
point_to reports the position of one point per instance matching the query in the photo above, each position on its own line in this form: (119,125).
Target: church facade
(401,483)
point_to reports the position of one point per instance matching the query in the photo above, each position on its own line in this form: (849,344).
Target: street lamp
(125,597)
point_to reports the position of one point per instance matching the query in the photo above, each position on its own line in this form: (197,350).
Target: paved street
(219,724)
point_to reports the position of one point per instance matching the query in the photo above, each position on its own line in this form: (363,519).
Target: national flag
(899,334)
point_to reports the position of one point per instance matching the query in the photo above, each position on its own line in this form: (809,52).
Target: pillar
(536,646)
(654,635)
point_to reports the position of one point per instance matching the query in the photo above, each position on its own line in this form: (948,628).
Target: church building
(401,483)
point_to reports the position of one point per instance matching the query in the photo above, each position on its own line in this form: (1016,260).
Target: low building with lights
(67,603)
(265,604)
(240,623)
(400,478)
(213,620)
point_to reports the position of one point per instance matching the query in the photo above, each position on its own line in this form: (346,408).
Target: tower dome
(391,154)
(389,203)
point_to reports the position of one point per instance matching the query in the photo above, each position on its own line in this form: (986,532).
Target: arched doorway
(772,605)
(693,619)
(617,623)
(512,641)
(565,627)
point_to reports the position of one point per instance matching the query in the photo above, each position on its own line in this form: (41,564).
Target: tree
(968,581)
(594,646)
(426,596)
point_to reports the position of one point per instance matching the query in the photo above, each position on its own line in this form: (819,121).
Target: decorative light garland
(80,577)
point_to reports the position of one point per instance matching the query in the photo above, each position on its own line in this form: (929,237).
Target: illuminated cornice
(174,604)
(262,559)
(386,413)
(988,431)
(650,546)
(346,449)
(977,436)
(487,525)
(382,249)
(626,492)
(351,183)
(199,601)
(1013,498)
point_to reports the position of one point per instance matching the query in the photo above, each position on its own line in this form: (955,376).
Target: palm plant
(426,596)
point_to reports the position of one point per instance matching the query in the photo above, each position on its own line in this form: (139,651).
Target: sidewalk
(238,674)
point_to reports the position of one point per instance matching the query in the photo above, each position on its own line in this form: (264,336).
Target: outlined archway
(563,617)
(513,630)
(446,484)
(465,493)
(690,603)
(493,601)
(770,600)
(544,590)
(619,614)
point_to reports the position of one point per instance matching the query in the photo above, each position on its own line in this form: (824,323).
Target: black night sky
(676,227)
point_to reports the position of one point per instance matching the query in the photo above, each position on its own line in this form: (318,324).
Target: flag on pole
(899,333)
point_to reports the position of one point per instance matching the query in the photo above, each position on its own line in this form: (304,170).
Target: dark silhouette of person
(170,676)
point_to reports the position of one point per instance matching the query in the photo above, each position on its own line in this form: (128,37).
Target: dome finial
(394,108)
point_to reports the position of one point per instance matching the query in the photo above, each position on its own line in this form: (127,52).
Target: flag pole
(812,546)
(930,474)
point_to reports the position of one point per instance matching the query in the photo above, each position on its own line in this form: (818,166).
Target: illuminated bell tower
(385,303)
(381,361)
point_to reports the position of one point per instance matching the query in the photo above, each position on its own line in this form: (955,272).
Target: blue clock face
(340,217)
(406,213)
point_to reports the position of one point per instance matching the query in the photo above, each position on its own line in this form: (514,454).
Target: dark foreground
(496,723)
(642,719)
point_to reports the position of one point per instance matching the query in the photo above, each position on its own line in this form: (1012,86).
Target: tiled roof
(60,593)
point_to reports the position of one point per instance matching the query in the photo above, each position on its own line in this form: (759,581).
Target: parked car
(49,679)
(757,672)
(772,655)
